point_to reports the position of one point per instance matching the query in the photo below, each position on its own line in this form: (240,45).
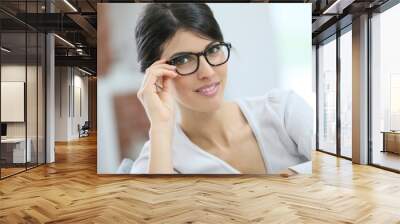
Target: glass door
(22,77)
(385,89)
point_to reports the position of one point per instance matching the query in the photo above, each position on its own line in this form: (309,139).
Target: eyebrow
(179,54)
(175,55)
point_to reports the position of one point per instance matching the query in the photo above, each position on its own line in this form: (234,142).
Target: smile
(209,90)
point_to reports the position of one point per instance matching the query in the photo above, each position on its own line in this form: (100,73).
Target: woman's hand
(155,93)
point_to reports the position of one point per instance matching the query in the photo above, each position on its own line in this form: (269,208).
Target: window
(327,96)
(385,89)
(346,94)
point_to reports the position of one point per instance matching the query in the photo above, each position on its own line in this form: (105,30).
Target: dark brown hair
(160,22)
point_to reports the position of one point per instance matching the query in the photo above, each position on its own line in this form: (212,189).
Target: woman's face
(202,91)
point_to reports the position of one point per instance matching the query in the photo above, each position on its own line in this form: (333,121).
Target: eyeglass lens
(215,55)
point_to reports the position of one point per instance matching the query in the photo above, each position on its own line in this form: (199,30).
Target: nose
(205,69)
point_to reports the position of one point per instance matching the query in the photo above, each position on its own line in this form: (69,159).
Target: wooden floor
(70,191)
(10,171)
(387,159)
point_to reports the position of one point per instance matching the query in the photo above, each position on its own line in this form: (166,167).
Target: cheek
(222,74)
(224,70)
(182,87)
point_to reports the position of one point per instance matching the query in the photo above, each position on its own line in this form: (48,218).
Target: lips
(208,90)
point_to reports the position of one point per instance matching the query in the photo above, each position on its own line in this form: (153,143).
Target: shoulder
(274,96)
(284,113)
(283,107)
(276,100)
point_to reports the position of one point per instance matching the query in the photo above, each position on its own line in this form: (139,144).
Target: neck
(216,127)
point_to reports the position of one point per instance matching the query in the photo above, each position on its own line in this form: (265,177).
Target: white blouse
(282,123)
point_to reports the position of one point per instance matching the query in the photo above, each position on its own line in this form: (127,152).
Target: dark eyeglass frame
(203,53)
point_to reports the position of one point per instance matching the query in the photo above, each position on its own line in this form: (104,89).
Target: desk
(391,141)
(13,150)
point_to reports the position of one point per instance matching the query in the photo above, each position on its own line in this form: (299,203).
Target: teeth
(209,90)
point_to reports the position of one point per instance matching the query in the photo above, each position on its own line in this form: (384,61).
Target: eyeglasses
(187,63)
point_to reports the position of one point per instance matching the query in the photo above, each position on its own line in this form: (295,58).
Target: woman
(184,57)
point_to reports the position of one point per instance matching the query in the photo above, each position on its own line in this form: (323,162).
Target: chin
(209,105)
(212,107)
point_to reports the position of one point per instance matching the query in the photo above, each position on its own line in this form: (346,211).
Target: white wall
(15,72)
(61,103)
(12,100)
(33,126)
(12,73)
(67,81)
(273,47)
(80,85)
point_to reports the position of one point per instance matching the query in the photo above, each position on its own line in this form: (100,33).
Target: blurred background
(273,49)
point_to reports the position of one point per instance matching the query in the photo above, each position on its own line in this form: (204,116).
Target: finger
(142,86)
(160,81)
(165,66)
(160,61)
(167,82)
(153,77)
(166,88)
(157,72)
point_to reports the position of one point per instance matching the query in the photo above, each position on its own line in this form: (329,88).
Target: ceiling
(76,24)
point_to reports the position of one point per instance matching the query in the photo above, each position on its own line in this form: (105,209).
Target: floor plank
(70,191)
(387,159)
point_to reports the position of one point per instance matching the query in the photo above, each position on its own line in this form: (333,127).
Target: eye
(181,60)
(214,49)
